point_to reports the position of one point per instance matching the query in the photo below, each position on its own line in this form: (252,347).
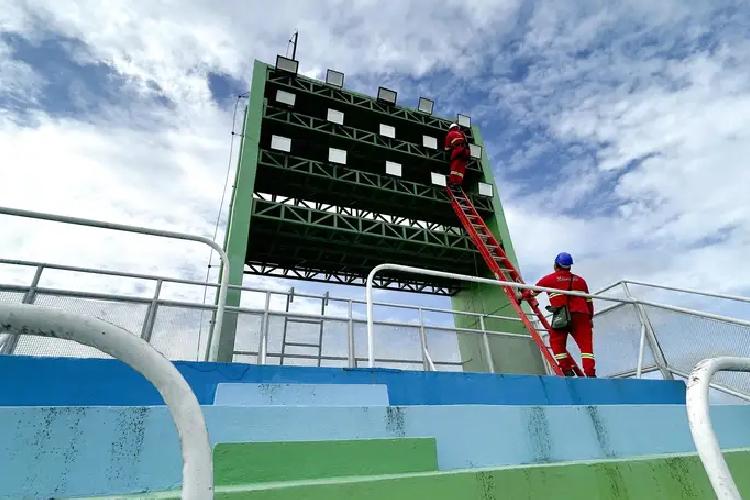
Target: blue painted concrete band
(93,382)
(98,450)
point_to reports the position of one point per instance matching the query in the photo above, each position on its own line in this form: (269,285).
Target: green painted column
(241,205)
(509,354)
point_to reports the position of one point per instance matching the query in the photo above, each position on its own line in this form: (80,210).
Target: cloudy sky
(618,131)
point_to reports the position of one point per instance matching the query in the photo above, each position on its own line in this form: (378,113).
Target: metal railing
(169,313)
(174,325)
(700,423)
(647,331)
(197,470)
(213,345)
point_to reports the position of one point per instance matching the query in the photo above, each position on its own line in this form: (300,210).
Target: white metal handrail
(700,423)
(488,281)
(213,345)
(197,470)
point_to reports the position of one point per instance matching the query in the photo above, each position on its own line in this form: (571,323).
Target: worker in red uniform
(456,143)
(581,313)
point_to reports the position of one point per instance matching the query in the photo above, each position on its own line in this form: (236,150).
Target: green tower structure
(331,183)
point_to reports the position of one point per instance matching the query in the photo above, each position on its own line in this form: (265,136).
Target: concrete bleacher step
(127,449)
(243,463)
(671,476)
(252,394)
(105,382)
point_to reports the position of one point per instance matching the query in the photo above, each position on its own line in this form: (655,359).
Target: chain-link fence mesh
(686,339)
(181,332)
(443,348)
(617,335)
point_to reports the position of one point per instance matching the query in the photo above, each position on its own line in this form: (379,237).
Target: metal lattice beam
(315,124)
(283,162)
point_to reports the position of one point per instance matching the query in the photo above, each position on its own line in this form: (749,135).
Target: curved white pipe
(197,469)
(700,423)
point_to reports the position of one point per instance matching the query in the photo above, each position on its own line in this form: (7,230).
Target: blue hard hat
(564,259)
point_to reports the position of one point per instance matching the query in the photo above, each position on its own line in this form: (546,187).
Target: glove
(527,294)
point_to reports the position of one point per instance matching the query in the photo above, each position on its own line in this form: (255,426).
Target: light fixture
(429,142)
(476,151)
(335,78)
(485,189)
(393,168)
(281,143)
(337,156)
(285,97)
(387,95)
(438,179)
(286,64)
(463,120)
(387,131)
(425,105)
(335,116)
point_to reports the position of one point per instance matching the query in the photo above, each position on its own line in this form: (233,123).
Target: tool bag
(561,318)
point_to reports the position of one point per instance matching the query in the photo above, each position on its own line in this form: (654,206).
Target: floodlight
(438,179)
(285,97)
(286,64)
(335,78)
(387,131)
(429,142)
(337,156)
(387,95)
(476,151)
(485,189)
(425,105)
(335,116)
(463,120)
(393,168)
(281,143)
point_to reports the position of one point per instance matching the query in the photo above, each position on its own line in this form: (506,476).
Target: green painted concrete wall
(510,355)
(241,204)
(664,477)
(244,463)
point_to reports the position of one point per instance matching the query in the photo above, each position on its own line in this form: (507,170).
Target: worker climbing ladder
(502,268)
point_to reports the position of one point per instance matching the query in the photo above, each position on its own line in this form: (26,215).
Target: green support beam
(241,207)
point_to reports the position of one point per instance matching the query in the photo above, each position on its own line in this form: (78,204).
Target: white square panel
(464,121)
(393,168)
(281,143)
(438,179)
(485,189)
(335,78)
(476,151)
(387,131)
(429,142)
(337,156)
(335,116)
(285,97)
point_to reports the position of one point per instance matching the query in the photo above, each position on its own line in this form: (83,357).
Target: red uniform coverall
(581,313)
(455,142)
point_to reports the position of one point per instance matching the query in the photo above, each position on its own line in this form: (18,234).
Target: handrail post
(148,322)
(487,351)
(350,337)
(653,343)
(423,341)
(263,341)
(641,346)
(699,419)
(29,297)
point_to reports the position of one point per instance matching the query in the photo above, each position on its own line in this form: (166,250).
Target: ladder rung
(301,344)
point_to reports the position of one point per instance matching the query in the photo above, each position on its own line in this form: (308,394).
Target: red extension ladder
(502,268)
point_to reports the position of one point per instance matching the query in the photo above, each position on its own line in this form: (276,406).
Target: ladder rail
(492,251)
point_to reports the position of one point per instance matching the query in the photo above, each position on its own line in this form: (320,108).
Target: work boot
(569,373)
